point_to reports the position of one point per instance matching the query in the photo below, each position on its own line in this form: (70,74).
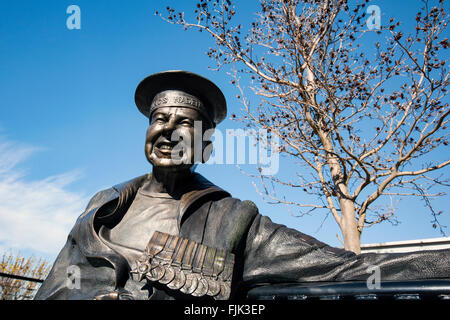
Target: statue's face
(170,137)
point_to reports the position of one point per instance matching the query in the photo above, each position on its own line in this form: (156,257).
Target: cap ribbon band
(175,98)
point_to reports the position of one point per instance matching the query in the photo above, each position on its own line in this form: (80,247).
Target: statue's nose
(169,127)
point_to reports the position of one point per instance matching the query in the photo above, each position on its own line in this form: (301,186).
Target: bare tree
(364,116)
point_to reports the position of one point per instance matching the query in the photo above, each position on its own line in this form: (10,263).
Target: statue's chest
(145,216)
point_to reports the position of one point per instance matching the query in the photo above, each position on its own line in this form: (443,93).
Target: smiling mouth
(165,147)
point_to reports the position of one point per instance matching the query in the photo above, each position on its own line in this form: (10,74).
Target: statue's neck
(167,180)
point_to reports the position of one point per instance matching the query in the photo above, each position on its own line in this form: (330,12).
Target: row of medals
(186,281)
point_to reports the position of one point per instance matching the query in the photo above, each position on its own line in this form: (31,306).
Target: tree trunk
(349,226)
(347,222)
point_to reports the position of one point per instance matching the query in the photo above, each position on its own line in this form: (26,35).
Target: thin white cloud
(35,215)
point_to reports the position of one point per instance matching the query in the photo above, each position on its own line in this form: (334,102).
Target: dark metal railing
(14,276)
(436,289)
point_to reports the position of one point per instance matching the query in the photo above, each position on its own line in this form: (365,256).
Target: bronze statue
(172,234)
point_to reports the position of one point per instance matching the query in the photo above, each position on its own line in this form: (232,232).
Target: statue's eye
(186,122)
(158,119)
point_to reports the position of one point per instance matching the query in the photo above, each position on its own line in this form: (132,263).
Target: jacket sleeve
(54,286)
(73,275)
(276,254)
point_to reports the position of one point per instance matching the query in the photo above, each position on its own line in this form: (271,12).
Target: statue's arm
(275,253)
(73,275)
(55,285)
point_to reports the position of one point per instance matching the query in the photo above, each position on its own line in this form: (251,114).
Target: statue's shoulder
(234,206)
(109,194)
(101,197)
(226,200)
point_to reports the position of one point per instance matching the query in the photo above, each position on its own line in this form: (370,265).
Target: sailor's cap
(177,88)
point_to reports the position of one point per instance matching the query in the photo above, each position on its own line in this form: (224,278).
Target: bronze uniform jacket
(265,252)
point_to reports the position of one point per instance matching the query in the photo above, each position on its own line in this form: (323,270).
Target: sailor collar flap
(109,205)
(115,205)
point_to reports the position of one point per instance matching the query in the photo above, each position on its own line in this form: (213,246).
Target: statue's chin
(168,164)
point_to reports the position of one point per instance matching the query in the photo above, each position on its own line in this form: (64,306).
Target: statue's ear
(207,150)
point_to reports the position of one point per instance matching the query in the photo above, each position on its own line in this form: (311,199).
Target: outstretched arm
(276,254)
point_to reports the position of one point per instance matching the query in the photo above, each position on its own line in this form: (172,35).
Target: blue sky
(69,126)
